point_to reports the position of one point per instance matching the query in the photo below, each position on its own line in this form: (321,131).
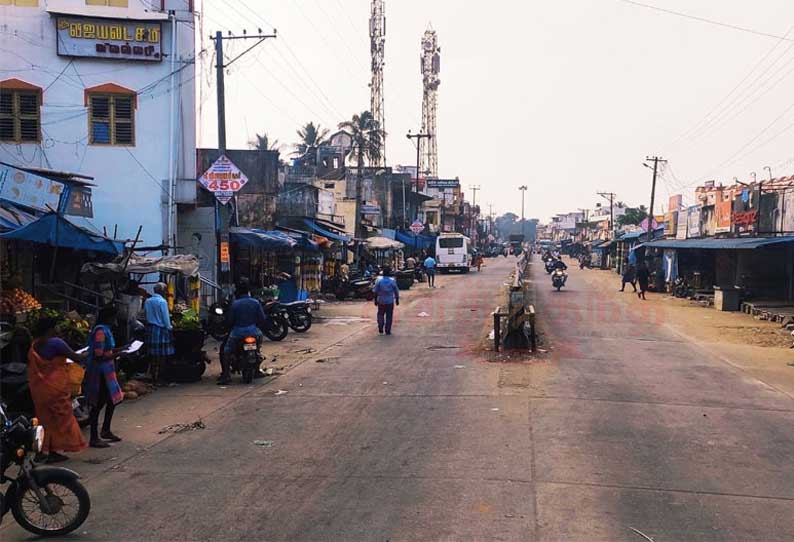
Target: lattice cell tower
(377,40)
(431,67)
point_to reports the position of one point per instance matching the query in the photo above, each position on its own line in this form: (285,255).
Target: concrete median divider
(514,327)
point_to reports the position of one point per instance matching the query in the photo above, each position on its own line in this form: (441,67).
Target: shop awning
(267,240)
(326,233)
(418,241)
(12,217)
(711,243)
(184,264)
(55,230)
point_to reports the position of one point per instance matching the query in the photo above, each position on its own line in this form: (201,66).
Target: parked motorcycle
(681,288)
(356,287)
(558,279)
(297,314)
(47,501)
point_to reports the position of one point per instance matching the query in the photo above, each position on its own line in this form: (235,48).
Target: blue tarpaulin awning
(267,240)
(55,230)
(325,233)
(711,243)
(418,241)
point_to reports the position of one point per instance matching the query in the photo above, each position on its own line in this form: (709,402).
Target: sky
(568,97)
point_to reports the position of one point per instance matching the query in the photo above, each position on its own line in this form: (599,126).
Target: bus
(452,252)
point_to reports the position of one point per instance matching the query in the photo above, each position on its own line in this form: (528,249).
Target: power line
(705,118)
(705,20)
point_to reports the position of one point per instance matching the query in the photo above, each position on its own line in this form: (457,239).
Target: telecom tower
(431,66)
(377,40)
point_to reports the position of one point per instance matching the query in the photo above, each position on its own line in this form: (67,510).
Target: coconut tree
(311,136)
(367,141)
(263,143)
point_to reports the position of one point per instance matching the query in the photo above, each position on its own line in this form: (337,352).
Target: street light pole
(523,189)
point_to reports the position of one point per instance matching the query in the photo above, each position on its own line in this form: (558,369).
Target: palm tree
(262,143)
(367,143)
(311,136)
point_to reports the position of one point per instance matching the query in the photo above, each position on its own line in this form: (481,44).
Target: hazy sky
(566,96)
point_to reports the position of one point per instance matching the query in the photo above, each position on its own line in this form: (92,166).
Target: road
(416,436)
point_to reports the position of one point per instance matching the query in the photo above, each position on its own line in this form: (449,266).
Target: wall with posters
(723,211)
(132,178)
(694,220)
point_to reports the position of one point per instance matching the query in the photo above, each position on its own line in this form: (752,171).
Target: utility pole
(418,137)
(655,160)
(523,189)
(611,196)
(474,189)
(222,214)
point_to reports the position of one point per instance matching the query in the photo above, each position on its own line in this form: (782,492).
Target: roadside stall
(263,257)
(124,278)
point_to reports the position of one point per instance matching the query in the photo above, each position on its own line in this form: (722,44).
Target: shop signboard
(670,223)
(681,226)
(723,211)
(788,211)
(79,202)
(114,39)
(443,183)
(223,179)
(417,227)
(326,204)
(370,209)
(693,221)
(29,189)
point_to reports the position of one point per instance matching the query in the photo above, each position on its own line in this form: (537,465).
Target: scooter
(558,279)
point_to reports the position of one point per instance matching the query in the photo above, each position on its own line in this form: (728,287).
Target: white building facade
(103,88)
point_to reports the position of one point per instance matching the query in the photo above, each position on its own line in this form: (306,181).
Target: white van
(452,252)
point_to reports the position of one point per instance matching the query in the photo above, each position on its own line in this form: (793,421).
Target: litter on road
(423,314)
(281,392)
(182,427)
(264,443)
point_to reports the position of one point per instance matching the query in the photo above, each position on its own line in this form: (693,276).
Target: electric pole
(222,213)
(418,137)
(611,196)
(523,189)
(655,160)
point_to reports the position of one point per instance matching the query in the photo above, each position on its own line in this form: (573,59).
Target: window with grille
(20,116)
(111,119)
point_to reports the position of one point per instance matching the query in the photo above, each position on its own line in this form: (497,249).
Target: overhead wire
(705,20)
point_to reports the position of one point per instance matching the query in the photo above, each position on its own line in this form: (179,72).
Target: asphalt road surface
(624,430)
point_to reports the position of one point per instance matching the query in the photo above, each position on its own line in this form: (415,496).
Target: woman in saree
(50,389)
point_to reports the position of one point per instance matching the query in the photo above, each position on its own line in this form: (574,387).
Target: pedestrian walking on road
(430,271)
(387,295)
(158,331)
(643,277)
(629,277)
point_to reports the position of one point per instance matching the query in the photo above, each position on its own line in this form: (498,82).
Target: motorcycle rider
(559,264)
(244,318)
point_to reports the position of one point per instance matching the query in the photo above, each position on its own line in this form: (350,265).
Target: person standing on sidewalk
(387,295)
(101,386)
(643,277)
(158,331)
(430,271)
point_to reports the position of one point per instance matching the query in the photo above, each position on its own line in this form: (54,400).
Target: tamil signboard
(223,179)
(417,227)
(30,190)
(681,226)
(109,38)
(694,221)
(79,202)
(723,210)
(443,183)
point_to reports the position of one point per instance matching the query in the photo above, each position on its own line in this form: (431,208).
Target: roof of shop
(57,231)
(711,243)
(267,240)
(324,232)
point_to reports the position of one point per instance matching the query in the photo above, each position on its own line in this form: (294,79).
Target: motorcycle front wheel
(68,501)
(301,322)
(276,329)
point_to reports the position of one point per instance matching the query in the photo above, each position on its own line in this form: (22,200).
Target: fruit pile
(17,300)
